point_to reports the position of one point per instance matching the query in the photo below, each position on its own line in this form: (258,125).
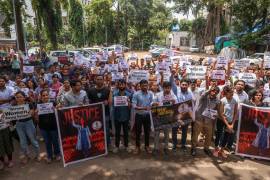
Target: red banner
(254,132)
(82,133)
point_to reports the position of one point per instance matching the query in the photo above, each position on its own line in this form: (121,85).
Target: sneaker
(216,152)
(116,150)
(23,159)
(193,152)
(223,154)
(58,158)
(128,150)
(184,148)
(166,152)
(38,158)
(137,151)
(207,151)
(10,164)
(110,149)
(155,152)
(49,160)
(148,150)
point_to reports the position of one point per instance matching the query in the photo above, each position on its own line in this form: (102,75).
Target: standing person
(228,110)
(48,128)
(63,90)
(239,94)
(76,97)
(182,94)
(6,145)
(166,97)
(141,102)
(26,129)
(256,99)
(121,115)
(206,114)
(15,65)
(101,93)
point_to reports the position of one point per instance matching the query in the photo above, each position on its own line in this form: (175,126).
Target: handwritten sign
(45,108)
(222,61)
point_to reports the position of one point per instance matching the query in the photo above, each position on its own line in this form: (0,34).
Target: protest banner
(14,113)
(172,115)
(45,108)
(118,49)
(218,74)
(120,101)
(249,78)
(221,62)
(253,135)
(241,63)
(28,69)
(82,133)
(136,76)
(196,72)
(266,61)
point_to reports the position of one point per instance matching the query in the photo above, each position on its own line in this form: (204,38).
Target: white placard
(241,63)
(111,67)
(218,74)
(13,113)
(196,72)
(162,67)
(120,101)
(249,78)
(222,62)
(234,72)
(45,108)
(136,76)
(28,69)
(117,76)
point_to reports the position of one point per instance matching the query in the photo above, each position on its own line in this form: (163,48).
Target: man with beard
(206,115)
(101,93)
(121,114)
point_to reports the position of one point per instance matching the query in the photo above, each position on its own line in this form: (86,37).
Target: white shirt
(164,99)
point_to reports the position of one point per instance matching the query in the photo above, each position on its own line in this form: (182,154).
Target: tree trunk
(19,26)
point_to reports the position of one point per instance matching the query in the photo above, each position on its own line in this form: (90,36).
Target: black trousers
(118,126)
(142,121)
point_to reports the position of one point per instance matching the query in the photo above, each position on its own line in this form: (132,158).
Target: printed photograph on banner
(253,139)
(82,133)
(171,116)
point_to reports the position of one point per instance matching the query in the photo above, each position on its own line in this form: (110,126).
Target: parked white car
(194,49)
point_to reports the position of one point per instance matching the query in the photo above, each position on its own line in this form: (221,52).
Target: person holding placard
(228,113)
(26,129)
(121,113)
(141,102)
(206,114)
(164,98)
(48,127)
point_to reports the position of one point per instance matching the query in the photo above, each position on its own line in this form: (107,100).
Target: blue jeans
(24,130)
(51,142)
(184,135)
